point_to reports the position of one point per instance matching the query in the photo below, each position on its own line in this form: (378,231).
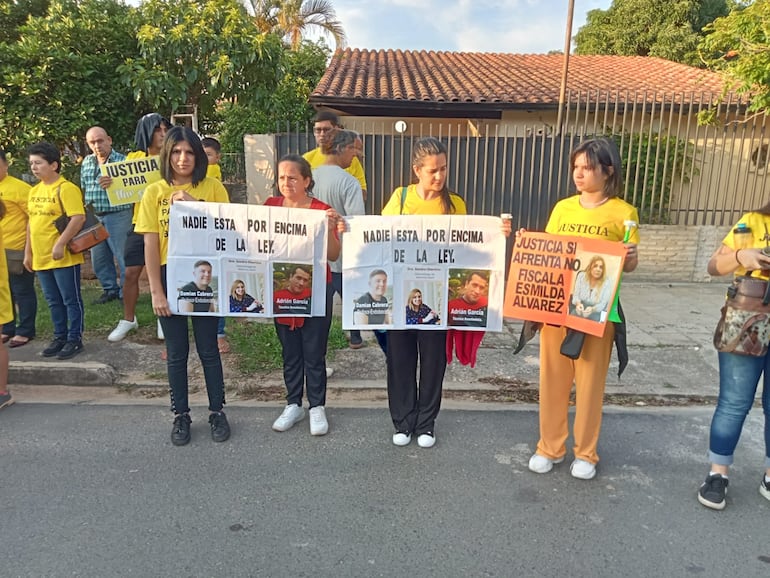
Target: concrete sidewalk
(670,327)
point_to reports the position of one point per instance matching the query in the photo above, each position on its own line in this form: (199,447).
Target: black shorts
(134,253)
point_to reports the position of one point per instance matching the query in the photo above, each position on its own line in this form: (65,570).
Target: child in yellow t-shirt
(213,151)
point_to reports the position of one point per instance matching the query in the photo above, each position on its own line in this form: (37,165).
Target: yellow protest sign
(130,178)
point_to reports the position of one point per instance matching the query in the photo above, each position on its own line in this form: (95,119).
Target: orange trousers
(557,374)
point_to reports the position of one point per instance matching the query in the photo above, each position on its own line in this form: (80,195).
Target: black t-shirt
(200,298)
(375,310)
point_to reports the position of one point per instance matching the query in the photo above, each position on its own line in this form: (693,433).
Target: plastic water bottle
(742,237)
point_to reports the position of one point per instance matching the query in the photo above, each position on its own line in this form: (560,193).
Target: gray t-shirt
(340,190)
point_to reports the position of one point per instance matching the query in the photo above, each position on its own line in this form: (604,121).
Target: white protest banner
(423,272)
(246,260)
(130,178)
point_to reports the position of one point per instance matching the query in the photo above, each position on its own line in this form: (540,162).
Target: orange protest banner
(569,281)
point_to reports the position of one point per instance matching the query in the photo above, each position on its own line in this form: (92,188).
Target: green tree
(14,14)
(292,19)
(59,75)
(738,45)
(200,52)
(669,29)
(302,69)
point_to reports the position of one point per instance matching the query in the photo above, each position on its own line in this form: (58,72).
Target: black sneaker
(712,492)
(54,347)
(70,349)
(764,488)
(220,429)
(106,297)
(180,433)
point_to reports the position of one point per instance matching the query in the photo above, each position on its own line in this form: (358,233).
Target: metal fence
(675,170)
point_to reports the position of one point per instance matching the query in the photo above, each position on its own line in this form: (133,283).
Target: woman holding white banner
(595,212)
(183,166)
(304,339)
(414,407)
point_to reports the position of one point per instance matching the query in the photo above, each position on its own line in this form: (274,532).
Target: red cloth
(465,345)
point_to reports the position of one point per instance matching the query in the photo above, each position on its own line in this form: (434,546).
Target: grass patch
(257,349)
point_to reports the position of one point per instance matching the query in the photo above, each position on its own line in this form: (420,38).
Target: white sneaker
(401,439)
(124,328)
(319,426)
(426,440)
(582,469)
(329,372)
(160,331)
(541,464)
(292,413)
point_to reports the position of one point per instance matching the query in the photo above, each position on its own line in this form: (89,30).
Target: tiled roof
(504,80)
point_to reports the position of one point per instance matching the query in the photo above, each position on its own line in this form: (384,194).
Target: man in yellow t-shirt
(324,125)
(15,194)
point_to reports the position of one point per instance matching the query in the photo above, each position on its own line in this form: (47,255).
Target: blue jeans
(103,255)
(738,379)
(61,289)
(24,301)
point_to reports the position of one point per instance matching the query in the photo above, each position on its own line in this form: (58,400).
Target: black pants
(415,409)
(175,331)
(304,356)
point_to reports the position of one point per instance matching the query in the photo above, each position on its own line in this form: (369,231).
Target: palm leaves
(294,19)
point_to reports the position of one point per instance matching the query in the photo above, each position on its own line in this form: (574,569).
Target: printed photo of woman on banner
(423,302)
(594,287)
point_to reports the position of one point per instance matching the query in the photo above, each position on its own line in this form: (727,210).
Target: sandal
(18,341)
(6,338)
(223,344)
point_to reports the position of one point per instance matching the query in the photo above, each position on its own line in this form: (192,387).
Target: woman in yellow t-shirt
(20,329)
(414,407)
(595,212)
(183,167)
(46,251)
(6,315)
(739,374)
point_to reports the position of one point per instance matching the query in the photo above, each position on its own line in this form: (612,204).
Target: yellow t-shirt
(603,222)
(214,172)
(155,206)
(760,238)
(316,158)
(15,194)
(6,307)
(414,205)
(44,209)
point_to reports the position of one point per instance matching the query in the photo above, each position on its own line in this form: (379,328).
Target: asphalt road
(100,491)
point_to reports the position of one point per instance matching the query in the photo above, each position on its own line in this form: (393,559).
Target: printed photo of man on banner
(292,289)
(567,281)
(468,289)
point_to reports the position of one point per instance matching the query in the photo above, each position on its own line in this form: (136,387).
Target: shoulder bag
(744,327)
(92,233)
